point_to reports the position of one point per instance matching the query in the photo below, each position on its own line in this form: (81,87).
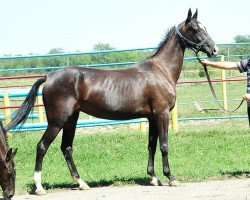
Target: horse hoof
(40,192)
(174,183)
(155,182)
(84,187)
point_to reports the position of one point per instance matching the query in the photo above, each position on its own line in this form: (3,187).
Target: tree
(242,38)
(102,47)
(104,57)
(56,50)
(55,61)
(242,49)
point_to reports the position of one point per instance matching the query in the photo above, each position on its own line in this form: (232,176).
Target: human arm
(221,65)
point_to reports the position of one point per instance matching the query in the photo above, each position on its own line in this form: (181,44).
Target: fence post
(6,102)
(40,109)
(143,127)
(175,125)
(224,86)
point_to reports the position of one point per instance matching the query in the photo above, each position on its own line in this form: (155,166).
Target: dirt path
(219,190)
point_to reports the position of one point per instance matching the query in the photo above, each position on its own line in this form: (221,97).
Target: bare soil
(219,190)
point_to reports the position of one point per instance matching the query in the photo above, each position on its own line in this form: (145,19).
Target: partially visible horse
(147,89)
(7,166)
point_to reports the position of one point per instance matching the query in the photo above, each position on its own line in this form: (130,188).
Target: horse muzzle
(7,195)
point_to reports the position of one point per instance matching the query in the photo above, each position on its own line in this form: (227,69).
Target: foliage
(240,50)
(102,47)
(63,61)
(242,38)
(130,56)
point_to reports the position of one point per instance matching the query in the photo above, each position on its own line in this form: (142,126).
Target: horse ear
(189,16)
(10,154)
(195,14)
(14,152)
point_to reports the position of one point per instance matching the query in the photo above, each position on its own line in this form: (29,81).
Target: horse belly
(114,112)
(113,96)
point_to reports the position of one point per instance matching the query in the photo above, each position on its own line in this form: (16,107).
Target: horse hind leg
(66,148)
(42,147)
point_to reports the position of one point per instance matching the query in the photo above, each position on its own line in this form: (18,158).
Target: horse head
(194,35)
(8,174)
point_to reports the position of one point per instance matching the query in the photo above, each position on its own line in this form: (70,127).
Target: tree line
(88,59)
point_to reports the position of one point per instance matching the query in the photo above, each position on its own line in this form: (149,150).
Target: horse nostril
(11,196)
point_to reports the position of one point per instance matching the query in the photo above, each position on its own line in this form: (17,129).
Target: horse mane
(164,41)
(3,132)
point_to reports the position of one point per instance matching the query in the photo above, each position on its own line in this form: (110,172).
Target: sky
(36,26)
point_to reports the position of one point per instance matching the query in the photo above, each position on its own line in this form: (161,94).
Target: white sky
(36,26)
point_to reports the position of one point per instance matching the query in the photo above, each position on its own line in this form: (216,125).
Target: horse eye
(197,31)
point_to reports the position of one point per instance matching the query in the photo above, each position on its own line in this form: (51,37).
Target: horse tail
(22,113)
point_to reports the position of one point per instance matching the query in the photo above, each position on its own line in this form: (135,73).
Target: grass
(201,151)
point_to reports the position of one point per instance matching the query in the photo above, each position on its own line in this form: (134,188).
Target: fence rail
(100,52)
(7,96)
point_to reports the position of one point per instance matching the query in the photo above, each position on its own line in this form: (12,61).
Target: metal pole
(143,128)
(6,102)
(40,109)
(175,124)
(224,86)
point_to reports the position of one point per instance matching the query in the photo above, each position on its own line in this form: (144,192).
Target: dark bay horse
(7,166)
(147,89)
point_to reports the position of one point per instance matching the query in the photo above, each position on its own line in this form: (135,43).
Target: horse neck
(3,150)
(170,55)
(3,140)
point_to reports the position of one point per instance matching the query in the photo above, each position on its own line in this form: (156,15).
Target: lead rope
(212,88)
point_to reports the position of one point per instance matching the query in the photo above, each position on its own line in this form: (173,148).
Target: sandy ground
(219,190)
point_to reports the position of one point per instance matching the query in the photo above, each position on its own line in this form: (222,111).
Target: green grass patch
(201,151)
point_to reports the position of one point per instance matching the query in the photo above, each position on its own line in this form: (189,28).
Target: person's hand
(204,61)
(246,97)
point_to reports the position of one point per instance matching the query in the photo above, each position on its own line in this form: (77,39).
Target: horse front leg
(152,143)
(163,124)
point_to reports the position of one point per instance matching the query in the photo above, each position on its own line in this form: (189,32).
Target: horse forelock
(201,26)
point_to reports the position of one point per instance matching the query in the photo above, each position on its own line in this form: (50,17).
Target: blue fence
(34,126)
(102,122)
(98,52)
(96,122)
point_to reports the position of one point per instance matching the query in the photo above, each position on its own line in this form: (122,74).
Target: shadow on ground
(235,174)
(101,183)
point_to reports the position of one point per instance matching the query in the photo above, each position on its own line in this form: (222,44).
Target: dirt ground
(219,190)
